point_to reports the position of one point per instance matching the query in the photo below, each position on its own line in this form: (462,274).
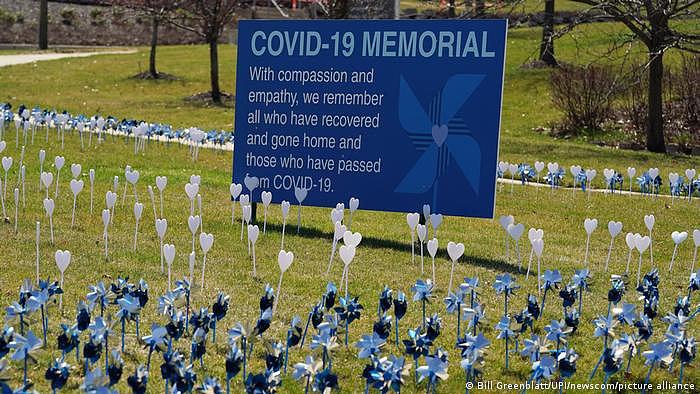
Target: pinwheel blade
(458,89)
(422,176)
(465,151)
(412,115)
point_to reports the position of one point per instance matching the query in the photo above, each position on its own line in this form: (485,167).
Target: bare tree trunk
(154,42)
(44,24)
(655,122)
(547,44)
(214,70)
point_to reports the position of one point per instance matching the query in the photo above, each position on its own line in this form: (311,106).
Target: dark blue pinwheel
(440,135)
(182,289)
(293,338)
(6,337)
(175,327)
(219,310)
(82,319)
(557,331)
(101,296)
(327,342)
(659,354)
(186,379)
(544,368)
(234,362)
(572,319)
(472,348)
(266,382)
(199,346)
(140,292)
(385,300)
(475,317)
(604,327)
(325,381)
(274,357)
(566,362)
(267,300)
(400,308)
(97,382)
(69,340)
(244,333)
(116,367)
(686,355)
(129,309)
(348,310)
(580,282)
(57,374)
(382,326)
(329,296)
(417,345)
(173,361)
(628,344)
(138,382)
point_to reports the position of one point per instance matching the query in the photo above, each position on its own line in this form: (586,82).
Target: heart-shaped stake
(106,218)
(455,251)
(435,221)
(247,212)
(235,189)
(206,241)
(353,205)
(533,234)
(23,171)
(284,260)
(538,247)
(266,198)
(284,205)
(300,194)
(516,231)
(6,165)
(512,169)
(161,228)
(191,264)
(649,221)
(42,158)
(138,212)
(92,188)
(253,232)
(589,225)
(193,223)
(191,190)
(678,238)
(432,250)
(339,231)
(690,175)
(614,228)
(161,183)
(76,186)
(245,202)
(696,241)
(201,213)
(631,245)
(631,172)
(169,253)
(111,200)
(352,240)
(46,180)
(347,254)
(132,177)
(422,232)
(153,201)
(48,208)
(575,171)
(412,220)
(642,244)
(58,161)
(504,221)
(62,261)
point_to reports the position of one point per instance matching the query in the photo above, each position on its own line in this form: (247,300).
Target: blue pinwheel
(441,136)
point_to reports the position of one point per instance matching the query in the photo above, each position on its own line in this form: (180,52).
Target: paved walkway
(9,60)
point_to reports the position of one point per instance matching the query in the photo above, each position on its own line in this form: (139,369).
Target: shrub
(585,95)
(67,16)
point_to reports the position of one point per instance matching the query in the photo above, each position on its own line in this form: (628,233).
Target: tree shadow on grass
(381,243)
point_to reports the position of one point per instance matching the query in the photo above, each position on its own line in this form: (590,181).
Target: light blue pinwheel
(440,135)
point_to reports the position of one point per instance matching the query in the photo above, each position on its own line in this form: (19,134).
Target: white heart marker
(253,232)
(353,205)
(649,221)
(284,260)
(48,208)
(614,228)
(435,221)
(59,161)
(161,228)
(300,194)
(235,190)
(432,250)
(62,258)
(76,170)
(266,198)
(76,187)
(678,238)
(193,223)
(284,205)
(589,225)
(422,232)
(455,251)
(338,232)
(533,234)
(206,241)
(169,253)
(696,241)
(347,254)
(642,244)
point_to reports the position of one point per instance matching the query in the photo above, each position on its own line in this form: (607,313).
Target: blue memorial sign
(395,113)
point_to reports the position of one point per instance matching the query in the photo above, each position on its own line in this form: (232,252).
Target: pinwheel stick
(639,268)
(452,271)
(607,260)
(588,242)
(695,256)
(265,220)
(421,258)
(72,220)
(2,200)
(433,258)
(539,276)
(204,267)
(413,247)
(673,257)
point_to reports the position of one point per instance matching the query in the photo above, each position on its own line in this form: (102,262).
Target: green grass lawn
(101,84)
